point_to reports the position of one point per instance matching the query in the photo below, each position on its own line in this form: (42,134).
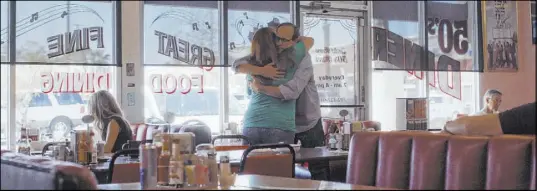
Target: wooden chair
(269,164)
(124,173)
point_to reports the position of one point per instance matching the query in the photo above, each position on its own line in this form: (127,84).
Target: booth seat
(423,160)
(24,172)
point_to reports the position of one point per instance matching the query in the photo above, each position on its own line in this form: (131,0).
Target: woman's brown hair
(264,50)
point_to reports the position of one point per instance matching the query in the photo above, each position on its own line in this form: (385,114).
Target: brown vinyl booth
(423,160)
(24,172)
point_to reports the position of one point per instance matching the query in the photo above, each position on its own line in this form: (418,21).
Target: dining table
(302,155)
(260,182)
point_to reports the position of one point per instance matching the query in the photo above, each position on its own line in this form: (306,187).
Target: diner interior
(388,78)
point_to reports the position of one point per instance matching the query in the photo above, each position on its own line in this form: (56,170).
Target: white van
(52,113)
(191,108)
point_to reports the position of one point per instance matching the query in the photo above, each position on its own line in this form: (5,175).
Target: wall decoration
(500,36)
(130,69)
(130,99)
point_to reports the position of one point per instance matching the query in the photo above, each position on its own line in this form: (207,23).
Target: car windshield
(68,98)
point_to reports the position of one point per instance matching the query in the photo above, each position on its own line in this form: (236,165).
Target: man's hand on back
(255,85)
(270,71)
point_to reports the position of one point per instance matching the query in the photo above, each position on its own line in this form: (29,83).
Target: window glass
(450,93)
(390,85)
(457,91)
(64,32)
(181,48)
(64,54)
(334,57)
(244,18)
(4,73)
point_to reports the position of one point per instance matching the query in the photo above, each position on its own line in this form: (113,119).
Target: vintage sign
(67,82)
(403,54)
(500,35)
(75,41)
(170,84)
(334,68)
(184,51)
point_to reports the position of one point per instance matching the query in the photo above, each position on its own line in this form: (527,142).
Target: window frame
(11,64)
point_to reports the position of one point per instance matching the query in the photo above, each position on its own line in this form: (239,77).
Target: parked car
(55,114)
(191,108)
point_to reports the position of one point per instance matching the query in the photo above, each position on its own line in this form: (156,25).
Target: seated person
(491,100)
(518,120)
(109,121)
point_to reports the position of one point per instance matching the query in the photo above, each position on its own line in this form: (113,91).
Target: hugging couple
(284,103)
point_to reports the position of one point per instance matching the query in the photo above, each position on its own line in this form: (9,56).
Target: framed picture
(130,69)
(500,36)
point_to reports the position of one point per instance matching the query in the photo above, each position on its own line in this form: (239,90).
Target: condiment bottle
(164,162)
(152,166)
(201,171)
(207,155)
(144,152)
(176,170)
(213,169)
(190,173)
(225,167)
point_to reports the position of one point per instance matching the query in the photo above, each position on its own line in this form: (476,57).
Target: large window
(244,18)
(4,73)
(4,104)
(449,93)
(182,59)
(64,53)
(457,40)
(389,85)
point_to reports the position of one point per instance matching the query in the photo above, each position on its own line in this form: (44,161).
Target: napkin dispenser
(187,142)
(81,145)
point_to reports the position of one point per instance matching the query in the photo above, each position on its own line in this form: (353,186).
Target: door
(337,57)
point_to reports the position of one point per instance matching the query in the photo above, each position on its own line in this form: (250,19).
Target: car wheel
(60,128)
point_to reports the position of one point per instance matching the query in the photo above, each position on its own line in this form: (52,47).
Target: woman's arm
(243,66)
(111,136)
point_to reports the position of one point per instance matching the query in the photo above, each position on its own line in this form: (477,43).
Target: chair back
(124,172)
(201,132)
(269,163)
(231,147)
(139,131)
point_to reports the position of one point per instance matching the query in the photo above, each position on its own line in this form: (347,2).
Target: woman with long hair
(109,121)
(269,119)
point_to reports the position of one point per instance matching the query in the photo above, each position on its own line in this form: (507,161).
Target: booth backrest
(24,172)
(423,160)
